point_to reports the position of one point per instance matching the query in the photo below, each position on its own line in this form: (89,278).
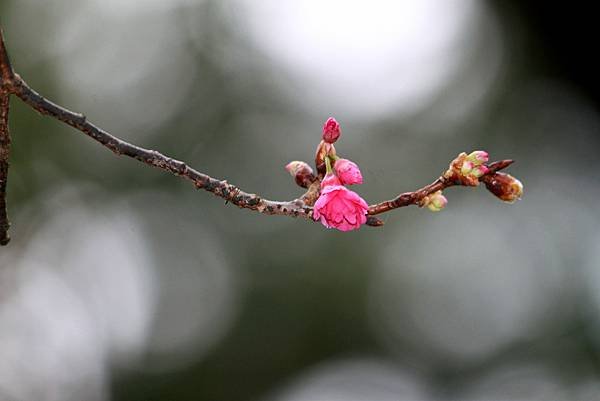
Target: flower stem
(328,165)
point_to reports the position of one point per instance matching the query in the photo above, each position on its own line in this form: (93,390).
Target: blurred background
(124,283)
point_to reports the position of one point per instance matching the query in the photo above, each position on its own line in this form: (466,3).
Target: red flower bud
(331,130)
(348,172)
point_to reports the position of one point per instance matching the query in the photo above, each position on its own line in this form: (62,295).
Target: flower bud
(302,173)
(466,167)
(329,180)
(331,130)
(436,201)
(479,171)
(504,186)
(478,157)
(323,150)
(348,172)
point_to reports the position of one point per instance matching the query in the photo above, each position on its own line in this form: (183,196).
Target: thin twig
(415,197)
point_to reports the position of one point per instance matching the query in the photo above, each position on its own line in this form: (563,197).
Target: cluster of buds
(337,206)
(466,169)
(469,169)
(331,133)
(434,202)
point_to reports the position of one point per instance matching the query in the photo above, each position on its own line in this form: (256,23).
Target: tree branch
(221,188)
(6,79)
(13,84)
(4,152)
(6,71)
(416,197)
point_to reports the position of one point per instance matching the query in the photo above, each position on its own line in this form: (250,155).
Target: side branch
(416,197)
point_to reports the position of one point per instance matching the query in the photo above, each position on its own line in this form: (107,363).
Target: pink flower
(331,130)
(340,208)
(348,172)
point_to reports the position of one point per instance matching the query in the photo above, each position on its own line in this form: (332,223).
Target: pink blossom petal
(340,208)
(348,172)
